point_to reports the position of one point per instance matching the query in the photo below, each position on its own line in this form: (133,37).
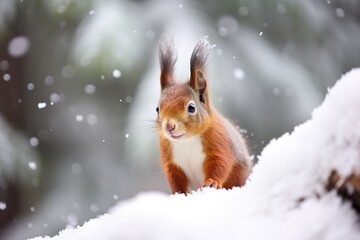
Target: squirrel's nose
(170,127)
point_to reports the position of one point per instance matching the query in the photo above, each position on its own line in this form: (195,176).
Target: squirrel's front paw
(211,183)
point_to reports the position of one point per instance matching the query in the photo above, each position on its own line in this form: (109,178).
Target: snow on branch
(305,186)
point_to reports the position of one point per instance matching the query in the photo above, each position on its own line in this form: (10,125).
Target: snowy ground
(284,199)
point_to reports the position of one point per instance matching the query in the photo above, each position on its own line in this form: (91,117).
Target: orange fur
(220,163)
(185,112)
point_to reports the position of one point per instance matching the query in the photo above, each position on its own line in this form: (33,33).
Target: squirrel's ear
(198,82)
(198,63)
(167,61)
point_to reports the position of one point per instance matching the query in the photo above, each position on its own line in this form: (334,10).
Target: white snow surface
(283,199)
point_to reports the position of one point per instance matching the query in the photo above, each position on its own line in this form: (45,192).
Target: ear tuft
(167,61)
(198,64)
(200,56)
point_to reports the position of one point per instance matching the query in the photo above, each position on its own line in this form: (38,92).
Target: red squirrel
(198,146)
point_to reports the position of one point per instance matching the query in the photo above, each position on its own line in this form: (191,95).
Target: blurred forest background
(79,84)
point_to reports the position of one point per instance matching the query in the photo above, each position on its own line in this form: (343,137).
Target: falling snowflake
(41,105)
(116,73)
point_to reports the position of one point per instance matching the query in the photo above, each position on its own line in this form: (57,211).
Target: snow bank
(284,199)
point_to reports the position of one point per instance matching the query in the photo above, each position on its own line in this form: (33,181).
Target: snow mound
(285,197)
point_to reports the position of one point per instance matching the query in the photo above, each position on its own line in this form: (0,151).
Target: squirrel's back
(238,143)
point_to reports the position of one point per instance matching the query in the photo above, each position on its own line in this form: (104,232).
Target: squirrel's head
(184,108)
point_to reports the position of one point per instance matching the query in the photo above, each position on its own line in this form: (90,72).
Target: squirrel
(198,146)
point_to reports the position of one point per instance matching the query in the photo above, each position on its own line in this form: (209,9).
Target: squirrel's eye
(157,110)
(191,108)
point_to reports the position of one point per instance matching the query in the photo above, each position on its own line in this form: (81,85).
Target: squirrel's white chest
(189,156)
